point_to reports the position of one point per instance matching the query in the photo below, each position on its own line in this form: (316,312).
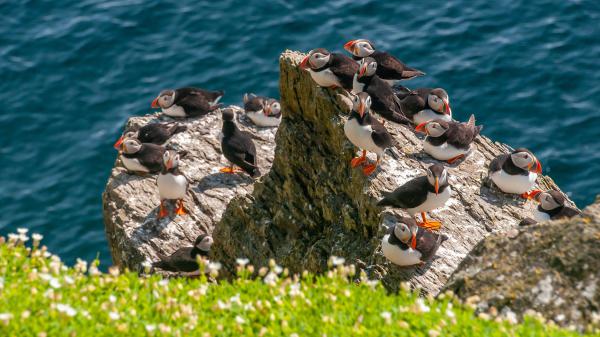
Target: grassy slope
(40,295)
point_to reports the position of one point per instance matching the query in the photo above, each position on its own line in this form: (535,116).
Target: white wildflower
(147,265)
(223,306)
(22,231)
(387,317)
(1,282)
(112,298)
(37,237)
(5,317)
(240,320)
(23,238)
(12,237)
(66,309)
(294,335)
(164,282)
(150,327)
(242,261)
(68,279)
(277,269)
(114,315)
(47,254)
(270,279)
(337,261)
(420,305)
(295,289)
(54,283)
(235,299)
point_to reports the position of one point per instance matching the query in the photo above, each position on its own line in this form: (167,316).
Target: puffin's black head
(361,103)
(170,159)
(316,58)
(131,133)
(439,101)
(367,67)
(433,128)
(525,160)
(437,176)
(406,233)
(164,100)
(360,47)
(550,200)
(228,115)
(203,242)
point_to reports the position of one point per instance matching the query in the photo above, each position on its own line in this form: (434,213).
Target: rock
(551,268)
(130,202)
(312,204)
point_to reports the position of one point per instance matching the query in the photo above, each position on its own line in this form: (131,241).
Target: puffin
(449,141)
(389,67)
(421,195)
(424,104)
(153,133)
(384,101)
(172,184)
(262,111)
(237,147)
(141,157)
(330,70)
(406,244)
(515,173)
(185,259)
(187,102)
(552,206)
(366,132)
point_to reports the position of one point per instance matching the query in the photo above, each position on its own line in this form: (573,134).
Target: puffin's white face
(435,129)
(524,160)
(547,201)
(360,48)
(437,176)
(171,159)
(361,103)
(273,107)
(402,233)
(131,145)
(438,104)
(130,134)
(318,60)
(205,244)
(367,67)
(164,100)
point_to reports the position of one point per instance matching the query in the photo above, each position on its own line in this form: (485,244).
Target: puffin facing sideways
(187,102)
(262,111)
(389,67)
(237,147)
(425,104)
(185,259)
(329,70)
(141,157)
(552,206)
(154,133)
(406,244)
(448,141)
(515,173)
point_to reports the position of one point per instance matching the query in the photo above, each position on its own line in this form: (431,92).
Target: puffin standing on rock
(172,184)
(262,111)
(552,207)
(424,104)
(515,173)
(141,157)
(421,195)
(237,147)
(185,259)
(187,102)
(389,67)
(384,100)
(154,133)
(407,244)
(330,70)
(449,141)
(366,132)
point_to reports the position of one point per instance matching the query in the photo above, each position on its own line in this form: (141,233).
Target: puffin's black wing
(151,156)
(401,91)
(565,213)
(385,102)
(159,133)
(409,195)
(240,150)
(193,101)
(254,104)
(496,163)
(460,135)
(180,260)
(381,137)
(428,243)
(344,68)
(391,68)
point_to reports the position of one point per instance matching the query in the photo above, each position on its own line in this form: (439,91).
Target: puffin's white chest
(515,184)
(428,114)
(398,256)
(259,118)
(174,111)
(357,87)
(443,152)
(171,186)
(133,164)
(360,136)
(432,202)
(325,78)
(540,216)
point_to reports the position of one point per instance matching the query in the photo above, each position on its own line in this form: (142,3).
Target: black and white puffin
(406,244)
(187,102)
(172,184)
(449,141)
(330,70)
(141,157)
(425,104)
(384,100)
(389,67)
(421,195)
(262,111)
(237,147)
(185,259)
(515,173)
(366,132)
(552,206)
(154,133)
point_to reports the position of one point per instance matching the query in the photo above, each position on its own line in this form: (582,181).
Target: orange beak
(437,186)
(447,109)
(362,70)
(538,167)
(413,241)
(361,109)
(266,110)
(535,195)
(349,46)
(422,128)
(117,145)
(169,164)
(304,63)
(155,103)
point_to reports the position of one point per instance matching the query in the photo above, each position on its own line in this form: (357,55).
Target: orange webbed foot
(162,212)
(180,210)
(431,225)
(228,169)
(530,195)
(455,159)
(357,161)
(369,169)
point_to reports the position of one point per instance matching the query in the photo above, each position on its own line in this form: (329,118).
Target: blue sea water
(72,72)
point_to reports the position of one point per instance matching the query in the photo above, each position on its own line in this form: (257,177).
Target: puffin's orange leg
(454,159)
(429,224)
(369,169)
(227,169)
(162,211)
(359,160)
(180,210)
(530,195)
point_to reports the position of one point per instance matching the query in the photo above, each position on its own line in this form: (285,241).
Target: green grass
(39,296)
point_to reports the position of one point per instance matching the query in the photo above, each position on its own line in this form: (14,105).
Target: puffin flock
(368,79)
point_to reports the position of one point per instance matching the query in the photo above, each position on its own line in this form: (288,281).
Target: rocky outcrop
(130,202)
(552,268)
(312,205)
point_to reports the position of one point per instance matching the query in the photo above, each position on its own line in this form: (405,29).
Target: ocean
(72,72)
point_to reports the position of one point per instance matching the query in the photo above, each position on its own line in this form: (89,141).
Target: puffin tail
(385,201)
(179,128)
